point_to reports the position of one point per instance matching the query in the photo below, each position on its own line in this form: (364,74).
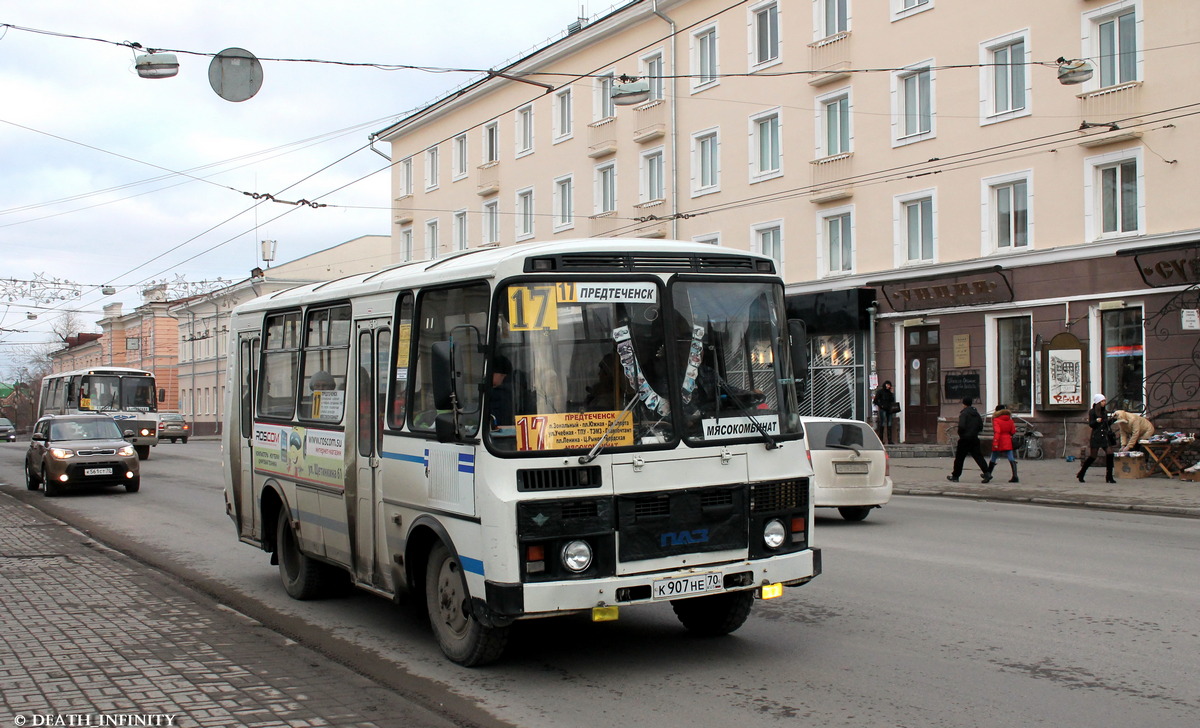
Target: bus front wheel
(143,451)
(462,638)
(715,615)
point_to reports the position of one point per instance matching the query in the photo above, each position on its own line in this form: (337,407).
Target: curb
(1134,507)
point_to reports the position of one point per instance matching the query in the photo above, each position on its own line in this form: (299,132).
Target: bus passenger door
(373,347)
(246,501)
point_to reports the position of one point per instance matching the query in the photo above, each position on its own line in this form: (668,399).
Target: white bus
(127,395)
(528,431)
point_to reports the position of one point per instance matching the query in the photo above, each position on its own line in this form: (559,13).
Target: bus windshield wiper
(595,451)
(766,436)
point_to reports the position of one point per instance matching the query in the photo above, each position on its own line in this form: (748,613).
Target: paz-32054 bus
(528,431)
(127,395)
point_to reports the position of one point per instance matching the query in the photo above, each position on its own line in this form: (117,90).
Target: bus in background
(520,432)
(127,395)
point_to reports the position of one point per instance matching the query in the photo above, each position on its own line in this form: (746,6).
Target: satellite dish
(235,74)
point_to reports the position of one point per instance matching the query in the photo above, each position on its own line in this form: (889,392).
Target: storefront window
(1124,358)
(1014,356)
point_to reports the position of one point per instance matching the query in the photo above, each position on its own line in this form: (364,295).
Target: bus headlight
(145,432)
(774,533)
(61,453)
(577,556)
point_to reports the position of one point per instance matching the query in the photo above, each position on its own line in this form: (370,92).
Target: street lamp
(156,65)
(630,92)
(1073,72)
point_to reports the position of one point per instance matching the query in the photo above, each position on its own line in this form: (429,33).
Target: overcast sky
(91,154)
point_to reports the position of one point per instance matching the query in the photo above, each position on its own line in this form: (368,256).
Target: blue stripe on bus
(405,457)
(475,566)
(466,462)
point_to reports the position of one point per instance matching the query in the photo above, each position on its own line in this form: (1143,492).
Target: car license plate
(681,586)
(97,471)
(847,468)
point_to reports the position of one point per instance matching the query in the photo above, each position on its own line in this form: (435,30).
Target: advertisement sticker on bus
(302,454)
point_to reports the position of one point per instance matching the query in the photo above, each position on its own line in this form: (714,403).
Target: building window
(1007,69)
(705,68)
(406,243)
(913,105)
(491,221)
(1121,341)
(524,130)
(653,186)
(525,214)
(768,240)
(915,228)
(706,163)
(605,108)
(1114,194)
(708,239)
(431,239)
(1014,363)
(834,124)
(652,72)
(460,156)
(406,177)
(564,203)
(606,188)
(837,238)
(835,16)
(904,8)
(562,115)
(491,142)
(764,34)
(1008,220)
(766,149)
(460,230)
(431,168)
(1113,40)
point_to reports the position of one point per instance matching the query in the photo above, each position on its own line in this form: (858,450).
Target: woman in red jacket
(1003,429)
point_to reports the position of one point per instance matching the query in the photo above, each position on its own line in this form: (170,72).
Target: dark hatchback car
(8,431)
(79,450)
(172,426)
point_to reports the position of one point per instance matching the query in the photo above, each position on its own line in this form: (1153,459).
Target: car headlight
(774,533)
(126,451)
(577,556)
(62,453)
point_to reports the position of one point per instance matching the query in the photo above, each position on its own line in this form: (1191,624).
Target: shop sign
(1172,266)
(967,289)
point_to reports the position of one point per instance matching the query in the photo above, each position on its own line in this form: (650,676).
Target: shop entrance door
(922,357)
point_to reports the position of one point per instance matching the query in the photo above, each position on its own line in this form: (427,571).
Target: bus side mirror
(798,344)
(442,370)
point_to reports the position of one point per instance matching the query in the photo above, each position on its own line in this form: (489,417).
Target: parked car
(172,426)
(80,450)
(852,471)
(8,431)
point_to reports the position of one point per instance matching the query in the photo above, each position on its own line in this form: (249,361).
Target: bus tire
(462,638)
(854,513)
(303,577)
(143,451)
(715,615)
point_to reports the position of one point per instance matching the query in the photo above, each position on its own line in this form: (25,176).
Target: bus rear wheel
(715,615)
(462,638)
(303,577)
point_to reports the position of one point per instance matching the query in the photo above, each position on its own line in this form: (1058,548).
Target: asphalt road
(933,612)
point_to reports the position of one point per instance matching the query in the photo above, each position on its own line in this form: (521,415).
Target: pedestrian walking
(1102,438)
(886,407)
(1003,429)
(970,424)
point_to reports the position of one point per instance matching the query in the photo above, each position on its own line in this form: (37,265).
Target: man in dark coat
(970,424)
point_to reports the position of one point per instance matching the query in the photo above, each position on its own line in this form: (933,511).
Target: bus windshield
(110,392)
(579,363)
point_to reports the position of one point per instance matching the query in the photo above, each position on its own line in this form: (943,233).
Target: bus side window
(400,374)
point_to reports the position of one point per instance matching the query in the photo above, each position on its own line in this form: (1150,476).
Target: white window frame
(824,103)
(524,217)
(823,21)
(708,238)
(564,113)
(902,9)
(900,135)
(989,73)
(605,181)
(900,227)
(406,243)
(433,158)
(491,142)
(603,106)
(654,67)
(757,232)
(431,238)
(699,162)
(490,220)
(461,161)
(988,203)
(405,177)
(460,231)
(824,241)
(564,205)
(1092,20)
(646,173)
(754,14)
(704,78)
(524,131)
(991,333)
(757,173)
(1093,193)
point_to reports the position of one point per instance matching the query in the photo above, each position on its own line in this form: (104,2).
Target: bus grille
(784,495)
(558,479)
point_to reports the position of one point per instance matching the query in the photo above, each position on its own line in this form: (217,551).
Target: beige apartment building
(948,215)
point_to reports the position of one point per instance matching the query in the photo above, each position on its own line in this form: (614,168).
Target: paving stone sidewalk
(89,637)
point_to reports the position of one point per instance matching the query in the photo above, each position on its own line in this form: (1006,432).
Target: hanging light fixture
(156,65)
(1073,72)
